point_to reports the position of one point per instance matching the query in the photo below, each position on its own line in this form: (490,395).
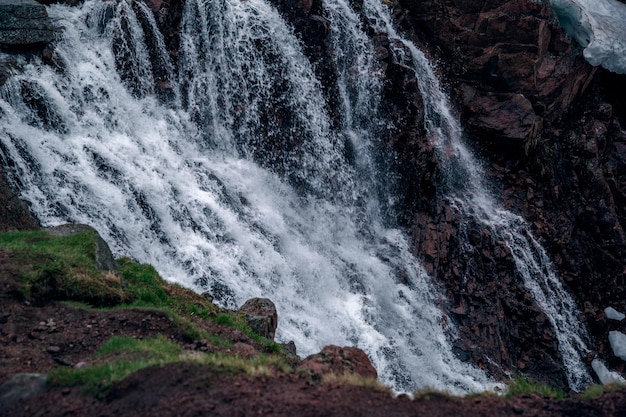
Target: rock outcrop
(339,361)
(103,258)
(24,24)
(261,316)
(550,128)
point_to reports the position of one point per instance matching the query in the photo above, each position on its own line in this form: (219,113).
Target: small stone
(53,350)
(65,391)
(80,365)
(613,314)
(517,409)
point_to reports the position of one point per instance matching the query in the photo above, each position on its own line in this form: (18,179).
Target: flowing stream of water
(241,185)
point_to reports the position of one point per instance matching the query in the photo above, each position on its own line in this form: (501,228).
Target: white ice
(599,26)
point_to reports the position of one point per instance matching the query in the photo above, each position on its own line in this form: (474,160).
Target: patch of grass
(597,390)
(125,356)
(429,393)
(62,268)
(521,386)
(148,289)
(237,321)
(356,381)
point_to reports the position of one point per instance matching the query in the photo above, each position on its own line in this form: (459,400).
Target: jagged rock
(24,23)
(21,387)
(261,316)
(618,344)
(605,376)
(339,360)
(103,257)
(506,121)
(290,348)
(613,314)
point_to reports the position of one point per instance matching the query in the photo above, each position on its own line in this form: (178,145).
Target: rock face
(550,129)
(339,361)
(24,23)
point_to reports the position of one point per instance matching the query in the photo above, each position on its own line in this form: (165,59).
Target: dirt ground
(39,338)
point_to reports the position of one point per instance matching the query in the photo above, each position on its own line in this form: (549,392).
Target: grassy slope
(63,269)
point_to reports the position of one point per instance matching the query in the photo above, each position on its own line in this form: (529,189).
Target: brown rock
(340,361)
(261,316)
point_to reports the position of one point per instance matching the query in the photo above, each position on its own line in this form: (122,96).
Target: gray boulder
(21,387)
(24,23)
(103,257)
(261,316)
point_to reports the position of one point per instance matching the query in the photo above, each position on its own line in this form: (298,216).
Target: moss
(61,268)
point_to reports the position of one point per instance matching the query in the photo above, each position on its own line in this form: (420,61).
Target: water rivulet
(241,183)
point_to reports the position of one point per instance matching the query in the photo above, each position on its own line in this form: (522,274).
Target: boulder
(261,316)
(103,257)
(21,387)
(24,23)
(339,361)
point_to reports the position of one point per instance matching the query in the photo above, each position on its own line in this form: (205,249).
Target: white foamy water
(240,185)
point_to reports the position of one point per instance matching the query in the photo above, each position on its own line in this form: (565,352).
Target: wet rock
(23,24)
(261,316)
(507,121)
(339,360)
(103,257)
(14,213)
(21,387)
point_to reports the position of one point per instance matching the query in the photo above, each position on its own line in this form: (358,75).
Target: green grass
(123,356)
(522,386)
(596,390)
(61,268)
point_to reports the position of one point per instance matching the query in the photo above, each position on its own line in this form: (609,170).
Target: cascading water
(473,200)
(240,183)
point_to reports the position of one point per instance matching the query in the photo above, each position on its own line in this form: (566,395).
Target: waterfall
(239,184)
(473,200)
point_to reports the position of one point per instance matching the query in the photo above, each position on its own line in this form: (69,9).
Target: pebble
(53,349)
